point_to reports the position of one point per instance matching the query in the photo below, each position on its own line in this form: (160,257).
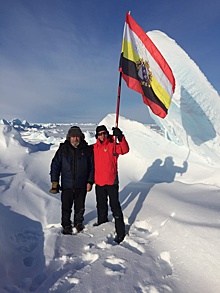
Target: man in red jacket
(106,154)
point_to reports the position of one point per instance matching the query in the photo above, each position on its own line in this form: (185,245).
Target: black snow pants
(68,198)
(102,194)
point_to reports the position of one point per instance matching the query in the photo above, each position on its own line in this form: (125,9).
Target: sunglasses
(102,133)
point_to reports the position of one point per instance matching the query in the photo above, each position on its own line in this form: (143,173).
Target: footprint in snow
(114,266)
(103,245)
(63,270)
(26,242)
(150,288)
(77,262)
(133,245)
(89,258)
(146,230)
(143,226)
(28,261)
(165,263)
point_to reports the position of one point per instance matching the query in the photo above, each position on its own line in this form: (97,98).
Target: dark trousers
(102,194)
(68,197)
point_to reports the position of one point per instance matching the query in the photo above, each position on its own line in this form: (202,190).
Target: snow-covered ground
(169,190)
(171,210)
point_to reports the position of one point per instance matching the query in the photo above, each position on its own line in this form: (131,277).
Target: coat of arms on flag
(144,72)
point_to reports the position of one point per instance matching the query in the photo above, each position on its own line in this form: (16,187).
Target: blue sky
(59,58)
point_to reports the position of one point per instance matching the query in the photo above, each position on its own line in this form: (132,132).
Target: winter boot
(79,227)
(119,239)
(67,230)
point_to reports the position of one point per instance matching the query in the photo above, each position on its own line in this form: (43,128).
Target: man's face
(75,140)
(102,135)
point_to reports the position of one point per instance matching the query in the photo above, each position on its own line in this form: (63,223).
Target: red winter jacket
(106,171)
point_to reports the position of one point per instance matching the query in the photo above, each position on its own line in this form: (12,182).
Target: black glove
(55,188)
(117,132)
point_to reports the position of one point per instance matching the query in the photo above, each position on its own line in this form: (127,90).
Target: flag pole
(119,89)
(117,111)
(117,107)
(118,100)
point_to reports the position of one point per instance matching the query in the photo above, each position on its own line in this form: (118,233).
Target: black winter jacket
(75,165)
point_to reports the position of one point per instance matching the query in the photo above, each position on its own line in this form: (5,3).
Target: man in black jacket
(73,161)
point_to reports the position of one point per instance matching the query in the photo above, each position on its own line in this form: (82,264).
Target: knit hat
(101,128)
(75,131)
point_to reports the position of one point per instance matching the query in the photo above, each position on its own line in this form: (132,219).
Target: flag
(144,69)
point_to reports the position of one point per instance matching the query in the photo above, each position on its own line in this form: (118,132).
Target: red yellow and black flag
(145,70)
